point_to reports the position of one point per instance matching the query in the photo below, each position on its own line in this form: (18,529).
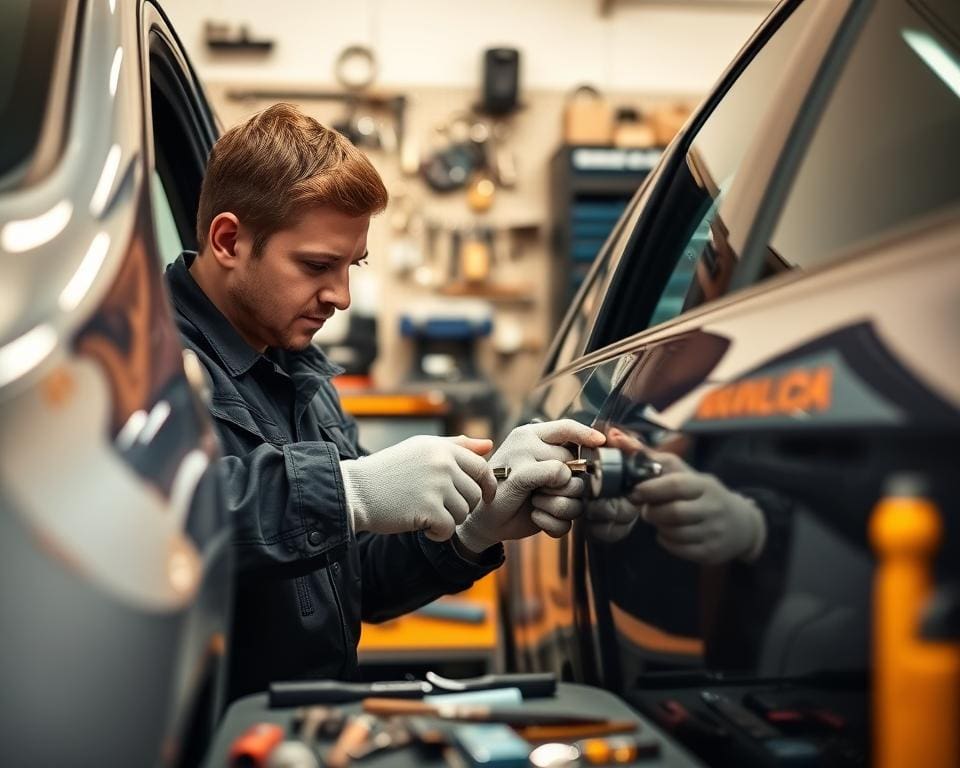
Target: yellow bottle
(916,682)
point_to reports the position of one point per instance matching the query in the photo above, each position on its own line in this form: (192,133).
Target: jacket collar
(236,356)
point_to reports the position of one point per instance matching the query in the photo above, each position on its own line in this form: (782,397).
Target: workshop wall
(664,47)
(521,263)
(429,51)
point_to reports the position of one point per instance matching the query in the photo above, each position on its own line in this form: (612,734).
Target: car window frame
(775,171)
(184,93)
(607,252)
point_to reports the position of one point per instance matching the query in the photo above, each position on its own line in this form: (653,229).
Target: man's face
(283,296)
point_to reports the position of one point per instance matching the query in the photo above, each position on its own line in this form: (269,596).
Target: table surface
(253,709)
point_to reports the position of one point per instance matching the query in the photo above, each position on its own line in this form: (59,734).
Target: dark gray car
(780,307)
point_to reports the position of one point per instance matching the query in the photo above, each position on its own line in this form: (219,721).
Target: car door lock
(609,472)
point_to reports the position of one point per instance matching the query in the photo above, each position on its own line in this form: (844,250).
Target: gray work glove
(540,493)
(697,517)
(424,483)
(611,520)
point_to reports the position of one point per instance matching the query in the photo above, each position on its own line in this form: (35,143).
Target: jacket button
(314,538)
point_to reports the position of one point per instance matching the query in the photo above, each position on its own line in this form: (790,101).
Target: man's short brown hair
(278,164)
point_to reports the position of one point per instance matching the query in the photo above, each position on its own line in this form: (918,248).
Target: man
(326,536)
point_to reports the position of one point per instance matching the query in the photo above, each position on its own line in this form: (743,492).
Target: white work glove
(697,517)
(535,455)
(425,483)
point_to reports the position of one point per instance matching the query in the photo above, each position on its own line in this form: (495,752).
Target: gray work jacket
(305,580)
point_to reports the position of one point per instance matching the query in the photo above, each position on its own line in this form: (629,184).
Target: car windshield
(28,48)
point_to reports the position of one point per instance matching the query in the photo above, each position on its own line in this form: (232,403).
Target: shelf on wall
(489,291)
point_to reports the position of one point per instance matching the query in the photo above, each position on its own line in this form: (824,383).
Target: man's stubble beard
(246,298)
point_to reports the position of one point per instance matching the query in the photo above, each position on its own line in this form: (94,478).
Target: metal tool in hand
(611,473)
(607,472)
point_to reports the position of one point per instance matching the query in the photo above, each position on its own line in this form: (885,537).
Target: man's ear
(222,239)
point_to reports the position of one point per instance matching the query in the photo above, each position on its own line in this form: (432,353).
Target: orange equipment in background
(916,681)
(415,638)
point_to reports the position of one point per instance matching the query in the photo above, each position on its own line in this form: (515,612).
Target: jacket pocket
(238,415)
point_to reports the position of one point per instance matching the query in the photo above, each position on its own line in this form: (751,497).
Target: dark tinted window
(685,260)
(888,147)
(29,36)
(181,142)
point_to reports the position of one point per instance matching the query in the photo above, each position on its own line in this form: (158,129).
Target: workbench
(250,710)
(413,638)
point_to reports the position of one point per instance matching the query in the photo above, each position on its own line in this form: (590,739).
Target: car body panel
(822,381)
(110,506)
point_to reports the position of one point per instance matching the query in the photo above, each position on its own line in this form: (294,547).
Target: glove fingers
(440,527)
(670,461)
(674,514)
(612,510)
(477,469)
(539,474)
(574,489)
(545,452)
(568,431)
(560,507)
(549,524)
(457,506)
(469,491)
(477,445)
(672,487)
(682,535)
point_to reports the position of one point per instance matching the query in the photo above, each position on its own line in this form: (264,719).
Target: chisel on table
(520,716)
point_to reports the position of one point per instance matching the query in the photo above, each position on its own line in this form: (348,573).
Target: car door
(675,253)
(841,335)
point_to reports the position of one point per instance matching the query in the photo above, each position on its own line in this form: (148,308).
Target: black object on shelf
(590,189)
(501,81)
(221,37)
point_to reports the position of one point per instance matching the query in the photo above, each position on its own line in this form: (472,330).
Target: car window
(29,38)
(181,143)
(169,244)
(683,258)
(885,151)
(701,263)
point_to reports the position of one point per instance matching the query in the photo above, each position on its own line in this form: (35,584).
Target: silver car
(114,592)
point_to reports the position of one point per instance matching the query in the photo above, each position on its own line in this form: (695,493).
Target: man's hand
(697,517)
(535,455)
(424,483)
(611,520)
